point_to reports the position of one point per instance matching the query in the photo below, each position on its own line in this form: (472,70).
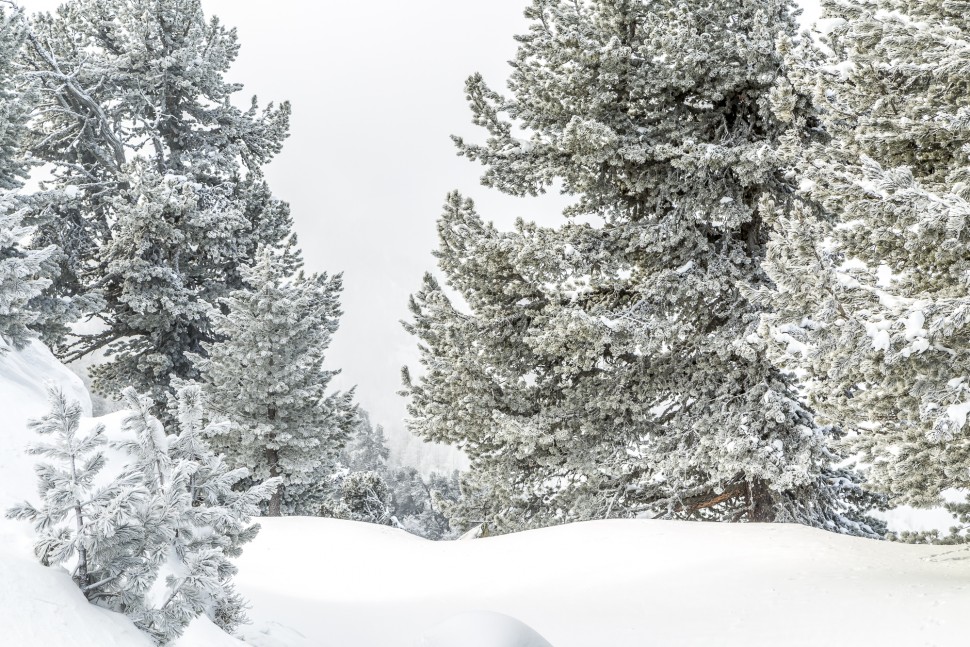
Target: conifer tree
(152,536)
(366,449)
(266,377)
(157,194)
(872,267)
(14,105)
(419,504)
(22,275)
(216,494)
(210,516)
(370,490)
(365,497)
(612,365)
(363,492)
(100,528)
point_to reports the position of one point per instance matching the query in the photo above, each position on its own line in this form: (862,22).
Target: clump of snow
(958,413)
(482,629)
(880,337)
(685,268)
(915,323)
(785,335)
(848,281)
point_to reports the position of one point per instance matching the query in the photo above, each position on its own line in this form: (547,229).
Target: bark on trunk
(83,578)
(275,501)
(760,505)
(273,460)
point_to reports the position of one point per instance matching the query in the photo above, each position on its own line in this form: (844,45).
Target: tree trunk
(83,578)
(275,501)
(760,505)
(273,460)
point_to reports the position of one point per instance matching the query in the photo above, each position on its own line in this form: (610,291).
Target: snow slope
(42,607)
(611,584)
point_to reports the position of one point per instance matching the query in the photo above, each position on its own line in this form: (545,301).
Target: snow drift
(609,583)
(482,629)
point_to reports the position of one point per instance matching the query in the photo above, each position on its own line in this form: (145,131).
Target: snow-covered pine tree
(210,520)
(218,499)
(418,503)
(100,530)
(370,490)
(364,496)
(611,365)
(21,276)
(154,543)
(14,107)
(21,269)
(157,196)
(873,268)
(366,449)
(362,492)
(266,376)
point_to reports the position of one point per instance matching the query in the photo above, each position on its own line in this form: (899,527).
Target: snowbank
(42,607)
(482,629)
(610,583)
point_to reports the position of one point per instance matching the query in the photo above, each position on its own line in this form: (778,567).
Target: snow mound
(617,583)
(482,629)
(273,634)
(25,374)
(42,607)
(203,633)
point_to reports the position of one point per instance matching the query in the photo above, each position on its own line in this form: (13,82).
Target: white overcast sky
(377,88)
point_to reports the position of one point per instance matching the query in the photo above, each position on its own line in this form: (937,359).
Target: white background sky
(377,87)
